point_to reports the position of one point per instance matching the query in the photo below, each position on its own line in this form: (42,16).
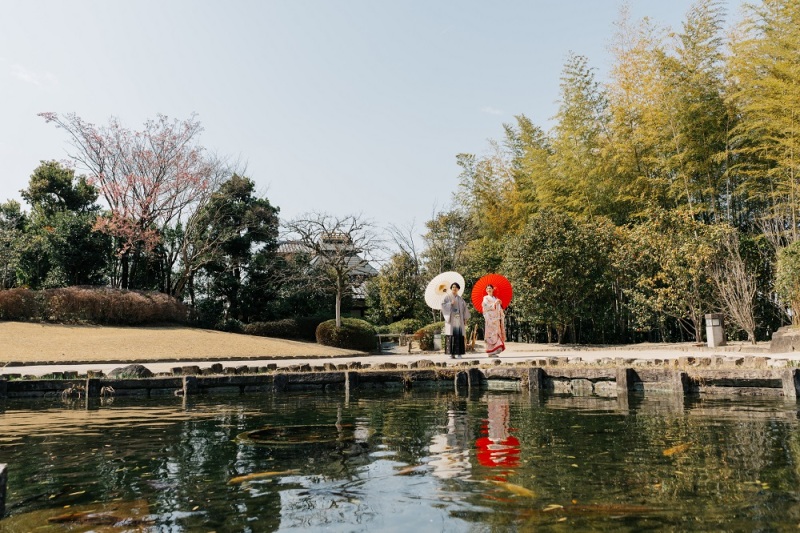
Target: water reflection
(449,450)
(398,461)
(497,447)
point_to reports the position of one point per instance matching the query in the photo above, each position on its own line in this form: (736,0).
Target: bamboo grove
(665,192)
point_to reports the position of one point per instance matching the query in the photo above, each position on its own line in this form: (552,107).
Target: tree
(736,284)
(12,224)
(447,234)
(340,249)
(531,159)
(558,266)
(61,248)
(148,178)
(579,180)
(765,92)
(666,262)
(54,188)
(399,288)
(232,228)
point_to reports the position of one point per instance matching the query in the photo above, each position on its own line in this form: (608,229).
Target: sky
(336,106)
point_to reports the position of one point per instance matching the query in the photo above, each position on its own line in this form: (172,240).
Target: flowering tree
(148,178)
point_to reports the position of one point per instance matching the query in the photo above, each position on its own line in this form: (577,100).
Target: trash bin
(437,342)
(715,329)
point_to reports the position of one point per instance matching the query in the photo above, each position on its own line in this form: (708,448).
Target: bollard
(3,480)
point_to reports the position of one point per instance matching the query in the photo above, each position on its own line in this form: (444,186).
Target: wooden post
(3,480)
(624,380)
(789,379)
(536,380)
(475,378)
(461,380)
(92,388)
(350,380)
(189,386)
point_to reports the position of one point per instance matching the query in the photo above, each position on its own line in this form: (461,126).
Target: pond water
(401,461)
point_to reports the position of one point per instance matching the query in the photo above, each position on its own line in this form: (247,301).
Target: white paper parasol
(439,286)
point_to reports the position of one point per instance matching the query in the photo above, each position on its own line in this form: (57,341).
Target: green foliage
(12,239)
(787,279)
(396,292)
(288,328)
(61,247)
(425,335)
(665,263)
(234,224)
(54,188)
(354,334)
(765,92)
(408,325)
(557,267)
(444,241)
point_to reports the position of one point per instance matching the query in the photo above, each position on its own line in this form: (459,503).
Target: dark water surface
(397,461)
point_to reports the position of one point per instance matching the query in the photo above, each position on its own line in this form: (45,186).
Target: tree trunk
(561,329)
(338,307)
(125,271)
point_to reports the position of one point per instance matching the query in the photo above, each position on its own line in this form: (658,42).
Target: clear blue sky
(342,106)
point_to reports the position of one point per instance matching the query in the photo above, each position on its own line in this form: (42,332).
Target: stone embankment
(609,377)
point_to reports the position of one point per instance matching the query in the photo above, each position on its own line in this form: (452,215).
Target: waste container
(437,342)
(715,329)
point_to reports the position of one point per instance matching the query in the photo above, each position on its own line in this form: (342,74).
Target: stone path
(687,354)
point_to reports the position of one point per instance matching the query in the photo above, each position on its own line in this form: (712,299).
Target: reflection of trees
(583,456)
(569,449)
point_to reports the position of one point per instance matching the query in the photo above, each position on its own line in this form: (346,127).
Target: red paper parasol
(502,290)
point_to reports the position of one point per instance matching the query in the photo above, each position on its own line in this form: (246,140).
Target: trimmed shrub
(354,334)
(281,329)
(19,304)
(304,329)
(94,305)
(425,335)
(408,325)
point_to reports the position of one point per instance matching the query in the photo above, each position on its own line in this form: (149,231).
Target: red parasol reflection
(497,447)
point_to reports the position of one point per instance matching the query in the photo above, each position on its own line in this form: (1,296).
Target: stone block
(131,371)
(582,387)
(786,339)
(606,389)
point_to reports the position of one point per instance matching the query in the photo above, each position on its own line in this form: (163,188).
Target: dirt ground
(22,342)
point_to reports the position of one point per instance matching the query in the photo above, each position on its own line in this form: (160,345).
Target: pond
(401,461)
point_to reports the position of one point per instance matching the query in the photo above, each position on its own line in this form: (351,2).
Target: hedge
(354,334)
(304,328)
(93,305)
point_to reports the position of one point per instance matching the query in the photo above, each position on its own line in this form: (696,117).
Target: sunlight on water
(395,461)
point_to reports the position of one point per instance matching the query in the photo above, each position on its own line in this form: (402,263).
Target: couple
(456,314)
